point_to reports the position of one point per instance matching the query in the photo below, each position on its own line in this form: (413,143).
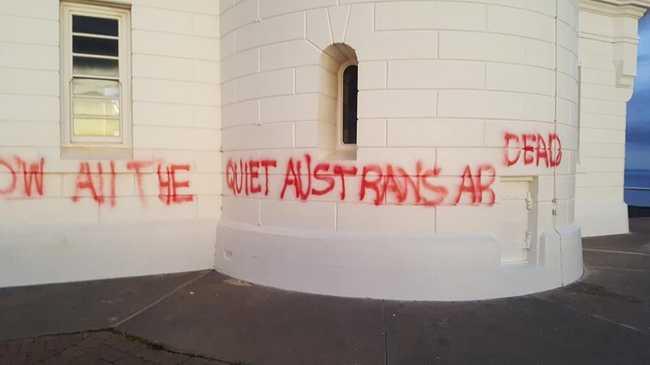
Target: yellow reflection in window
(96,127)
(103,108)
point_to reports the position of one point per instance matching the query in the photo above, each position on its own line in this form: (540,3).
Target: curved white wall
(443,86)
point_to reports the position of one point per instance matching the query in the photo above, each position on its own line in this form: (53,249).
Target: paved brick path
(92,348)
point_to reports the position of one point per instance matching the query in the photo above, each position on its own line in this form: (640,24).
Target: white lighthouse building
(412,150)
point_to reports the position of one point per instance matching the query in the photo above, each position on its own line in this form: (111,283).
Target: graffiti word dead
(532,149)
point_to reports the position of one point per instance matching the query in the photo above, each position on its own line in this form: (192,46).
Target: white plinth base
(399,267)
(602,218)
(42,254)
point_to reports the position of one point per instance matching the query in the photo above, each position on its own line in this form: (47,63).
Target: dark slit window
(350,91)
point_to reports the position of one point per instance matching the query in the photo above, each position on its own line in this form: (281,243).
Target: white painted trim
(616,8)
(625,38)
(125,4)
(640,3)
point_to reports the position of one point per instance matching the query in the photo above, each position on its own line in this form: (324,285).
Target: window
(338,102)
(350,90)
(96,73)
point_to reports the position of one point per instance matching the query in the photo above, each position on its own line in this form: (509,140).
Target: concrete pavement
(206,318)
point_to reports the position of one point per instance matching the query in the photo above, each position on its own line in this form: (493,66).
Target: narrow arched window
(350,90)
(339,92)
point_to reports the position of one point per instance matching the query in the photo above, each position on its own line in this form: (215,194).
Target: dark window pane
(95,67)
(92,25)
(96,46)
(350,91)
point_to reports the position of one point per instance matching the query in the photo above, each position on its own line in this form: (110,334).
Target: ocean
(637,188)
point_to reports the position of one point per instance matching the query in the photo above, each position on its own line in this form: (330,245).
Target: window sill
(95,152)
(342,155)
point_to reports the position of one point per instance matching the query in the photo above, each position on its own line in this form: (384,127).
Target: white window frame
(73,146)
(340,146)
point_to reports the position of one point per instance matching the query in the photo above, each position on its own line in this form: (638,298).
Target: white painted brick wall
(496,47)
(405,219)
(604,95)
(397,103)
(265,84)
(430,74)
(176,112)
(279,29)
(439,81)
(269,8)
(430,15)
(315,215)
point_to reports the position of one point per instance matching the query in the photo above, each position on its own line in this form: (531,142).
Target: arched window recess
(338,107)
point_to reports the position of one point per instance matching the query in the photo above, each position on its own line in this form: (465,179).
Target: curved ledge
(396,267)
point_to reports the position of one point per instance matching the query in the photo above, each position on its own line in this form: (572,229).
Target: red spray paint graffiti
(169,185)
(97,180)
(244,177)
(32,177)
(11,187)
(302,179)
(396,182)
(94,184)
(138,167)
(294,175)
(477,185)
(168,182)
(532,149)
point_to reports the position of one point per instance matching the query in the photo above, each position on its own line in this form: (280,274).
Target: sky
(638,110)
